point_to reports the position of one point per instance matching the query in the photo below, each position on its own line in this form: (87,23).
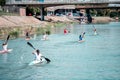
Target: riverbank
(15,21)
(102,20)
(16,25)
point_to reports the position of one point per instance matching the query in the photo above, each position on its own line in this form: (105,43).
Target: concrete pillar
(89,18)
(22,11)
(42,13)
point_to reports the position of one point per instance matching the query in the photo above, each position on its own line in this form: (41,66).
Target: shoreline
(102,20)
(16,25)
(21,21)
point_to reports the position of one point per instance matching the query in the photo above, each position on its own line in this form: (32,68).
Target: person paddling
(95,33)
(38,55)
(45,36)
(80,37)
(27,35)
(65,31)
(4,46)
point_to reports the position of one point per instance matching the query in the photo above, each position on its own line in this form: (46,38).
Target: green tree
(108,11)
(2,2)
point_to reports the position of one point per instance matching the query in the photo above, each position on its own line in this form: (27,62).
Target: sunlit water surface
(98,58)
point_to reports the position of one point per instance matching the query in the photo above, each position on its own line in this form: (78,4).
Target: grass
(10,14)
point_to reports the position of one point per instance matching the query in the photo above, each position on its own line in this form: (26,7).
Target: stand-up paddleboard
(5,51)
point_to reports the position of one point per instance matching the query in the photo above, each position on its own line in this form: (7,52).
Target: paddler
(27,36)
(95,33)
(38,55)
(4,46)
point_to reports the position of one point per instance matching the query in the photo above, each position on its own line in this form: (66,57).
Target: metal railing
(56,1)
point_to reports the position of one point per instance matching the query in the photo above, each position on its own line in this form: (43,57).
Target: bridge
(80,4)
(98,7)
(47,3)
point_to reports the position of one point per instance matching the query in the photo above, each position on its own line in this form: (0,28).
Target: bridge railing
(55,1)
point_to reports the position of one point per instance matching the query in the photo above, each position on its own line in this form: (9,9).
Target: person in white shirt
(95,33)
(5,45)
(45,37)
(38,55)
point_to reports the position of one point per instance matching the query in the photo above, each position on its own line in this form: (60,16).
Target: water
(95,59)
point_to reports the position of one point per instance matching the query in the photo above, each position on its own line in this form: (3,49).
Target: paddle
(7,39)
(30,45)
(93,26)
(48,60)
(83,35)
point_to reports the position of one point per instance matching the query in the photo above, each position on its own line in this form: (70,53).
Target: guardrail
(59,2)
(56,1)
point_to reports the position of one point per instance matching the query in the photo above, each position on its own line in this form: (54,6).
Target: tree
(2,2)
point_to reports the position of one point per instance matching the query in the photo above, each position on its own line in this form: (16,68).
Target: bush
(14,34)
(113,14)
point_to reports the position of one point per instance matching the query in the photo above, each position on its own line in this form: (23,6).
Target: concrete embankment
(18,25)
(14,21)
(102,19)
(59,19)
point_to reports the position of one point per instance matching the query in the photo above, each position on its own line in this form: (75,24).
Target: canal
(97,58)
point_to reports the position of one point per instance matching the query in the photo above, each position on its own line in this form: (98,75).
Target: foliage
(93,12)
(105,12)
(2,2)
(14,34)
(113,14)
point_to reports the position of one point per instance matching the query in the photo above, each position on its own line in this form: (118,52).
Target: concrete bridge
(80,4)
(47,3)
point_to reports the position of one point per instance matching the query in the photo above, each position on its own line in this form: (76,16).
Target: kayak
(81,41)
(27,39)
(44,39)
(5,51)
(35,62)
(95,33)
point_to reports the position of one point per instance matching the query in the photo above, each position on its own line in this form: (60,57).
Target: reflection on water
(95,59)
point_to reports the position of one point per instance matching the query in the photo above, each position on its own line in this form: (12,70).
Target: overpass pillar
(42,13)
(89,18)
